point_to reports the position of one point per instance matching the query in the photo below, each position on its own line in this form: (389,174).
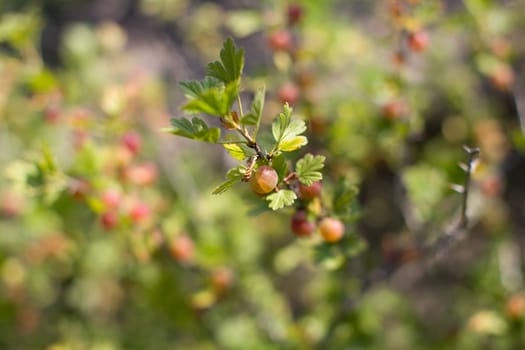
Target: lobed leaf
(230,67)
(233,176)
(255,115)
(308,167)
(195,129)
(210,99)
(285,132)
(281,199)
(239,150)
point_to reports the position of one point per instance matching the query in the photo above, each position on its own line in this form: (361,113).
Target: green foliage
(233,176)
(103,219)
(308,167)
(195,129)
(229,69)
(286,132)
(281,199)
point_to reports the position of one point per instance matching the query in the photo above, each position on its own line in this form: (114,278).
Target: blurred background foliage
(110,237)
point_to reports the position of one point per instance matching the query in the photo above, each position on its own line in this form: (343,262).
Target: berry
(289,92)
(139,212)
(395,109)
(132,141)
(300,224)
(221,279)
(502,77)
(79,188)
(515,306)
(310,192)
(142,174)
(182,248)
(295,13)
(111,198)
(109,220)
(281,40)
(331,229)
(418,41)
(52,114)
(264,180)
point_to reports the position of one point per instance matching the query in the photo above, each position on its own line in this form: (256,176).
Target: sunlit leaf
(230,67)
(308,167)
(233,176)
(195,129)
(281,199)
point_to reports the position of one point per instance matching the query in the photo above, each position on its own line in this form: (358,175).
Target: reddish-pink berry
(111,198)
(109,220)
(289,92)
(418,41)
(281,40)
(132,141)
(182,248)
(139,212)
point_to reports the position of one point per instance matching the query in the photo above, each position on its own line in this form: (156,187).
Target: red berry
(79,188)
(289,92)
(264,180)
(52,114)
(418,41)
(502,77)
(281,40)
(11,204)
(395,109)
(182,248)
(300,224)
(139,212)
(142,174)
(111,198)
(295,13)
(310,192)
(515,306)
(109,220)
(331,229)
(221,279)
(132,141)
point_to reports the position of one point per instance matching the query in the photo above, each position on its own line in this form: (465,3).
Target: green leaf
(281,123)
(233,176)
(280,166)
(308,167)
(281,199)
(238,150)
(255,115)
(194,89)
(230,67)
(195,129)
(328,256)
(289,145)
(285,132)
(215,100)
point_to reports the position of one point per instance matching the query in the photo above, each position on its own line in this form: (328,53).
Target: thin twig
(473,154)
